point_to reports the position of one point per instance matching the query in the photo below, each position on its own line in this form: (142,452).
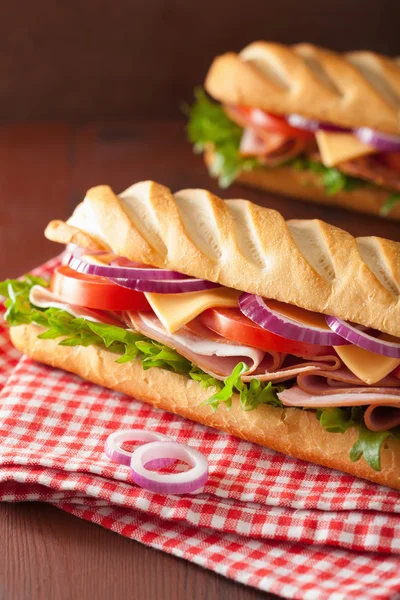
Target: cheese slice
(175,310)
(295,313)
(368,366)
(337,147)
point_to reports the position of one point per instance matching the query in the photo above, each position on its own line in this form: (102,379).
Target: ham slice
(260,143)
(382,417)
(361,396)
(382,414)
(45,298)
(295,367)
(343,381)
(342,388)
(210,352)
(372,169)
(273,149)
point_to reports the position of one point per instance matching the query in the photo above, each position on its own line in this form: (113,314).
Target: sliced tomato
(233,325)
(391,160)
(246,116)
(95,292)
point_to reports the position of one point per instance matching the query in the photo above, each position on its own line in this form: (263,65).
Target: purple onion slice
(169,483)
(256,309)
(361,338)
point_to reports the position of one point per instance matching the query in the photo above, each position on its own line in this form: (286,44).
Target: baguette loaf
(356,89)
(288,181)
(291,431)
(241,245)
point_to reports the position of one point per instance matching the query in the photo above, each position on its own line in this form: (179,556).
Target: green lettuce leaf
(368,444)
(335,420)
(204,379)
(392,200)
(252,395)
(333,180)
(16,292)
(210,127)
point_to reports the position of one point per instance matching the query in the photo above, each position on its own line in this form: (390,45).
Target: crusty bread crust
(306,184)
(66,234)
(247,247)
(356,89)
(291,431)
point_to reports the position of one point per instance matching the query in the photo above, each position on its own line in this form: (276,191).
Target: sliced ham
(262,143)
(382,417)
(272,149)
(382,414)
(342,381)
(295,367)
(209,351)
(45,298)
(362,396)
(372,169)
(297,397)
(288,150)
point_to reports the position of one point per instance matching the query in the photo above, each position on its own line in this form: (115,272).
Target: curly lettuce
(210,127)
(369,443)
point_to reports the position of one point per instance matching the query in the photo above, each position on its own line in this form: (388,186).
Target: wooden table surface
(44,172)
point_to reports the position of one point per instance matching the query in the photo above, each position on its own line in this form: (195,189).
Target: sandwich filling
(244,138)
(265,351)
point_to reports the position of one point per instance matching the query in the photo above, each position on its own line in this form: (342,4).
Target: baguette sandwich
(305,122)
(286,334)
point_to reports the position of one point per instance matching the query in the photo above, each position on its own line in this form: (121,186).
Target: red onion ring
(362,339)
(255,308)
(169,483)
(77,263)
(141,278)
(72,250)
(300,122)
(174,286)
(381,141)
(113,446)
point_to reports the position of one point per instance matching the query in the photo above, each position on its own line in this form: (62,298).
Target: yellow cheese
(337,147)
(175,310)
(368,366)
(312,319)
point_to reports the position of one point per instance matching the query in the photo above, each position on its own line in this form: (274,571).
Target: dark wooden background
(110,76)
(122,59)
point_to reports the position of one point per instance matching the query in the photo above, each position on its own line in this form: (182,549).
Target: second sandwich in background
(304,122)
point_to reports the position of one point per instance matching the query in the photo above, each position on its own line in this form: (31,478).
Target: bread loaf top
(244,246)
(355,89)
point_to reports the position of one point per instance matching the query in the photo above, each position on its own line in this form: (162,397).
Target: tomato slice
(95,292)
(233,325)
(246,116)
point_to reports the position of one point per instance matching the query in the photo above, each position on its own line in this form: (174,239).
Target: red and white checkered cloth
(266,520)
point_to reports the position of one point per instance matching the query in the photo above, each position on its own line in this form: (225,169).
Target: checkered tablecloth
(266,520)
